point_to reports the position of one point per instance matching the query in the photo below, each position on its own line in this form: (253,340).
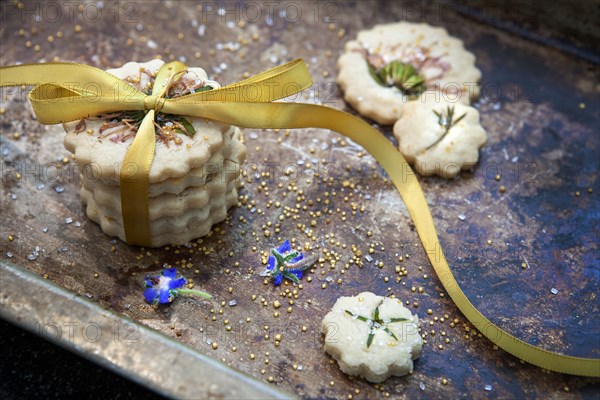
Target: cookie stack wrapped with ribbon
(193,178)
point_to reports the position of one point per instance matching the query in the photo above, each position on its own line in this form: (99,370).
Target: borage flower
(286,263)
(163,288)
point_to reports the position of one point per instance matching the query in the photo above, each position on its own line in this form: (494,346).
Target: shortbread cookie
(100,151)
(391,65)
(172,204)
(372,336)
(225,163)
(178,230)
(165,205)
(436,144)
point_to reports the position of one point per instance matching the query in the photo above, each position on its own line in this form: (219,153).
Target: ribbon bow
(249,103)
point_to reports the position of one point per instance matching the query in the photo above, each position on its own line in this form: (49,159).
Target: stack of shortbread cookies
(193,180)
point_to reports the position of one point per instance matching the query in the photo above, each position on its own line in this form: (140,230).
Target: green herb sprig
(446,121)
(403,76)
(375,322)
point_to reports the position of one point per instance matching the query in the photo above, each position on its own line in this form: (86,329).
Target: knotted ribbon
(250,104)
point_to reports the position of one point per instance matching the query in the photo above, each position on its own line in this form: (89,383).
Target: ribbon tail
(295,115)
(133,180)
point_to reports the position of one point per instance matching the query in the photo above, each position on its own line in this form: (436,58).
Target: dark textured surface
(31,368)
(541,142)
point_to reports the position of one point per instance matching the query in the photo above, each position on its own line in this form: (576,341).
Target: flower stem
(194,292)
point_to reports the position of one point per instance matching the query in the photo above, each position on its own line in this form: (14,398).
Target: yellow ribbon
(249,104)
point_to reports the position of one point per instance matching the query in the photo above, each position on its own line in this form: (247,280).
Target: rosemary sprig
(446,121)
(375,322)
(403,76)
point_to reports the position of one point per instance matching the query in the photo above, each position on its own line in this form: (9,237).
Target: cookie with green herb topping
(182,143)
(440,138)
(391,65)
(372,336)
(193,178)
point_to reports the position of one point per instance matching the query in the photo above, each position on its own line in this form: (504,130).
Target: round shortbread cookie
(166,205)
(225,165)
(172,204)
(173,230)
(448,69)
(372,336)
(422,142)
(104,155)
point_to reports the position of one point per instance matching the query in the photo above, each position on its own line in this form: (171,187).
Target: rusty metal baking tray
(63,279)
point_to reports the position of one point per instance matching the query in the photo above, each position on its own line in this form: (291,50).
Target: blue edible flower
(163,288)
(287,263)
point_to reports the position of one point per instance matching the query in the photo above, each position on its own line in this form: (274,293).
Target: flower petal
(176,283)
(150,295)
(271,263)
(164,297)
(285,247)
(148,280)
(170,273)
(278,280)
(297,258)
(298,273)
